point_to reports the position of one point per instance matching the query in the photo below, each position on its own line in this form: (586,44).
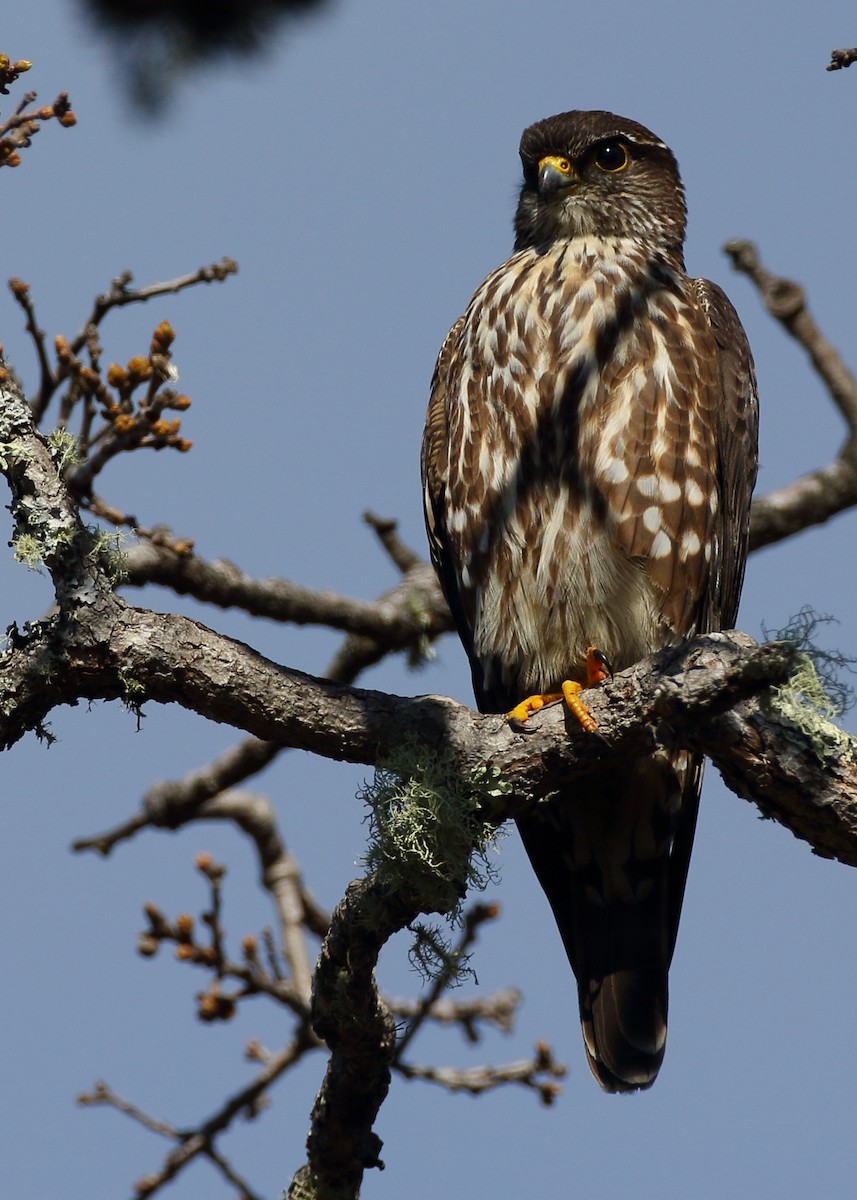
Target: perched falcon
(588,461)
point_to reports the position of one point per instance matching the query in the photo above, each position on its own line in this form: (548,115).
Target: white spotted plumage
(588,460)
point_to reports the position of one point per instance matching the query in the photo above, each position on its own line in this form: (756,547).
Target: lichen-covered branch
(349,1014)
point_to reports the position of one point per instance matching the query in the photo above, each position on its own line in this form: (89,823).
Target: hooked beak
(556,173)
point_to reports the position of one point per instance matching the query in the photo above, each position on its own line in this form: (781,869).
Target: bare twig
(387,530)
(537,1073)
(18,130)
(498,1009)
(201,1141)
(823,493)
(398,619)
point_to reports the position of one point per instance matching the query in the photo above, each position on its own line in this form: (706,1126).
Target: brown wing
(434,460)
(738,457)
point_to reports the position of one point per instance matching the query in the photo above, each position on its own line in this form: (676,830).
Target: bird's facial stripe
(556,172)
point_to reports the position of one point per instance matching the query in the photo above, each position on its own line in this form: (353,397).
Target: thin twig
(529,1073)
(387,530)
(816,497)
(201,1140)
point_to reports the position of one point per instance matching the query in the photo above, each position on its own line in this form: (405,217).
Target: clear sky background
(364,175)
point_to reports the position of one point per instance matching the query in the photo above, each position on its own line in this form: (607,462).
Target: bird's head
(593,173)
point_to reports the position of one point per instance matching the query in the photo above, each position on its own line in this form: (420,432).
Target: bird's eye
(612,157)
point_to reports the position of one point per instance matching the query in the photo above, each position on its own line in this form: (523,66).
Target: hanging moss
(816,695)
(427,835)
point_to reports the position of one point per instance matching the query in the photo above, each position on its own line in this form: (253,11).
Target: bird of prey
(588,461)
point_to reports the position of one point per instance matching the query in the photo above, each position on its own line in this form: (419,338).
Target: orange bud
(207,1006)
(180,403)
(163,337)
(250,945)
(147,945)
(18,288)
(139,367)
(13,159)
(184,951)
(165,429)
(116,375)
(124,423)
(184,924)
(203,861)
(68,119)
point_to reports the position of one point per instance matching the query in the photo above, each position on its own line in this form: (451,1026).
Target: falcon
(588,459)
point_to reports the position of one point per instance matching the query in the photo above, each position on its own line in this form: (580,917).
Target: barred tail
(612,857)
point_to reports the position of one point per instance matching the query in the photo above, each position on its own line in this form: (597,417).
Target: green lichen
(13,452)
(429,837)
(28,550)
(815,695)
(133,692)
(436,959)
(107,552)
(63,448)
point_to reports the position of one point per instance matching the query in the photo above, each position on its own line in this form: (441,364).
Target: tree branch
(820,495)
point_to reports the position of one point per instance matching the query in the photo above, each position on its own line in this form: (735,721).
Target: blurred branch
(411,611)
(816,497)
(841,58)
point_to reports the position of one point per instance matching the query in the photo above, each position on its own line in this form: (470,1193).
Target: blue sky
(363,173)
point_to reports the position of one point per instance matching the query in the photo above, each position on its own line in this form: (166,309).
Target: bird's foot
(597,666)
(521,712)
(597,670)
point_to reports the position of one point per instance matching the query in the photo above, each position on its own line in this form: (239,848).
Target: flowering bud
(184,925)
(147,945)
(139,367)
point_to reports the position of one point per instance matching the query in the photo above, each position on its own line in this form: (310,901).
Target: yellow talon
(597,666)
(571,695)
(532,704)
(597,670)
